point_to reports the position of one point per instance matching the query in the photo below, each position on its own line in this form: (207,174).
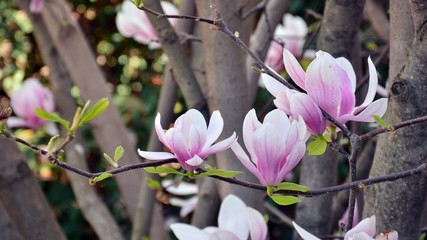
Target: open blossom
(25,100)
(190,140)
(276,146)
(182,189)
(133,22)
(292,34)
(365,230)
(330,85)
(36,6)
(236,221)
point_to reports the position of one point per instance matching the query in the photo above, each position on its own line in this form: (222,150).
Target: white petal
(367,226)
(183,188)
(155,155)
(257,225)
(195,161)
(233,216)
(303,233)
(272,85)
(244,159)
(373,84)
(220,146)
(188,232)
(216,124)
(378,107)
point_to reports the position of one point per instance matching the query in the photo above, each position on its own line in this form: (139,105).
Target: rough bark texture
(80,63)
(399,205)
(339,37)
(227,87)
(8,229)
(261,39)
(314,214)
(22,197)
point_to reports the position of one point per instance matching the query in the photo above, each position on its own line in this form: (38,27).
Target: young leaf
(292,187)
(153,184)
(118,153)
(317,147)
(52,117)
(85,108)
(219,172)
(100,178)
(160,170)
(111,161)
(95,111)
(380,121)
(284,200)
(53,143)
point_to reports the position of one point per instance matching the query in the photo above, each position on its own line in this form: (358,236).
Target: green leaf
(160,170)
(118,153)
(284,200)
(292,187)
(95,111)
(154,184)
(327,137)
(111,161)
(85,108)
(218,172)
(317,147)
(100,178)
(51,117)
(380,121)
(53,143)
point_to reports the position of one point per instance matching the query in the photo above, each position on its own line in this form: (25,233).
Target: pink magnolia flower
(292,34)
(25,100)
(36,6)
(330,84)
(133,22)
(365,230)
(190,140)
(275,146)
(236,221)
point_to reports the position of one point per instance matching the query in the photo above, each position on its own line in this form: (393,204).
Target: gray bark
(7,227)
(22,197)
(399,205)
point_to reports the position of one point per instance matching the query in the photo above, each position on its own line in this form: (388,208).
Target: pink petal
(294,69)
(244,159)
(219,146)
(272,85)
(303,233)
(188,232)
(378,107)
(191,118)
(14,122)
(229,220)
(283,101)
(179,147)
(373,84)
(36,6)
(274,57)
(347,79)
(156,155)
(159,130)
(250,124)
(257,225)
(216,124)
(302,105)
(292,160)
(278,119)
(322,84)
(196,139)
(348,68)
(367,226)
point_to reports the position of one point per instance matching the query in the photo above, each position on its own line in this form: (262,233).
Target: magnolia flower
(133,22)
(25,100)
(275,146)
(365,230)
(330,85)
(236,221)
(182,189)
(36,6)
(292,34)
(190,140)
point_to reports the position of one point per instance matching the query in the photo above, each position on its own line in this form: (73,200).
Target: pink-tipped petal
(220,146)
(294,69)
(244,159)
(230,221)
(303,233)
(216,124)
(14,122)
(283,101)
(159,130)
(156,155)
(367,225)
(36,6)
(302,105)
(196,140)
(278,119)
(272,85)
(348,68)
(373,84)
(194,161)
(292,160)
(188,232)
(274,57)
(257,225)
(179,146)
(378,107)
